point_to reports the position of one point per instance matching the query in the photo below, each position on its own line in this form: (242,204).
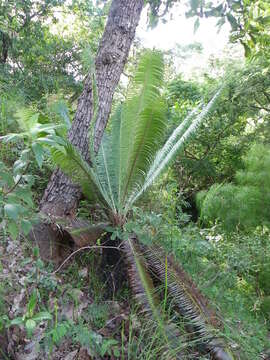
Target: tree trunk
(61,197)
(5,46)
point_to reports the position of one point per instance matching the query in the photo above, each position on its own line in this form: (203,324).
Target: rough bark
(61,197)
(5,46)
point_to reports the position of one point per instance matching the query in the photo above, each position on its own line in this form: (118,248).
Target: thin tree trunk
(61,197)
(5,46)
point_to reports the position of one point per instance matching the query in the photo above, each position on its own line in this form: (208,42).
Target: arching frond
(176,134)
(142,122)
(173,145)
(71,162)
(104,165)
(149,131)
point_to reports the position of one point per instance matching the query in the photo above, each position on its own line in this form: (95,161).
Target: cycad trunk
(61,197)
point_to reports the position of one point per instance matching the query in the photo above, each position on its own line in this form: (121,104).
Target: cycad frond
(141,282)
(148,134)
(115,141)
(105,166)
(176,134)
(142,122)
(148,78)
(73,165)
(190,303)
(173,145)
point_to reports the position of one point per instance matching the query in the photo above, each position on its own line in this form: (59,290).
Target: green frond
(115,141)
(105,166)
(176,134)
(72,164)
(173,145)
(147,137)
(148,78)
(142,123)
(106,162)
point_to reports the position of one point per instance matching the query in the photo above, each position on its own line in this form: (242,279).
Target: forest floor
(75,313)
(82,325)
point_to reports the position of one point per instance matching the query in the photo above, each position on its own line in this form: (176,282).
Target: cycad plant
(131,157)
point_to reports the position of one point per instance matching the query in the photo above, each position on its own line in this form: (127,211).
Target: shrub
(246,203)
(264,281)
(265,307)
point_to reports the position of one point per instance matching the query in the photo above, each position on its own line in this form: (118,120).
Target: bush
(264,281)
(245,204)
(265,307)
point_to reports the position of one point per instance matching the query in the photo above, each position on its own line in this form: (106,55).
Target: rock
(71,356)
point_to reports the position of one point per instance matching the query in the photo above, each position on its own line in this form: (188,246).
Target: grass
(223,267)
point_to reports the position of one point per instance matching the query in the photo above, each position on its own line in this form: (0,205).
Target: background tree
(41,61)
(61,196)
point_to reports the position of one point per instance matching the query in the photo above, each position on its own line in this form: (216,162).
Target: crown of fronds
(130,157)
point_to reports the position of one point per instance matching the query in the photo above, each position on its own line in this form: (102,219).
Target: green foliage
(32,47)
(39,54)
(240,117)
(128,161)
(35,131)
(142,124)
(225,267)
(81,334)
(30,319)
(16,203)
(95,343)
(265,307)
(58,333)
(39,63)
(16,198)
(97,314)
(245,204)
(264,278)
